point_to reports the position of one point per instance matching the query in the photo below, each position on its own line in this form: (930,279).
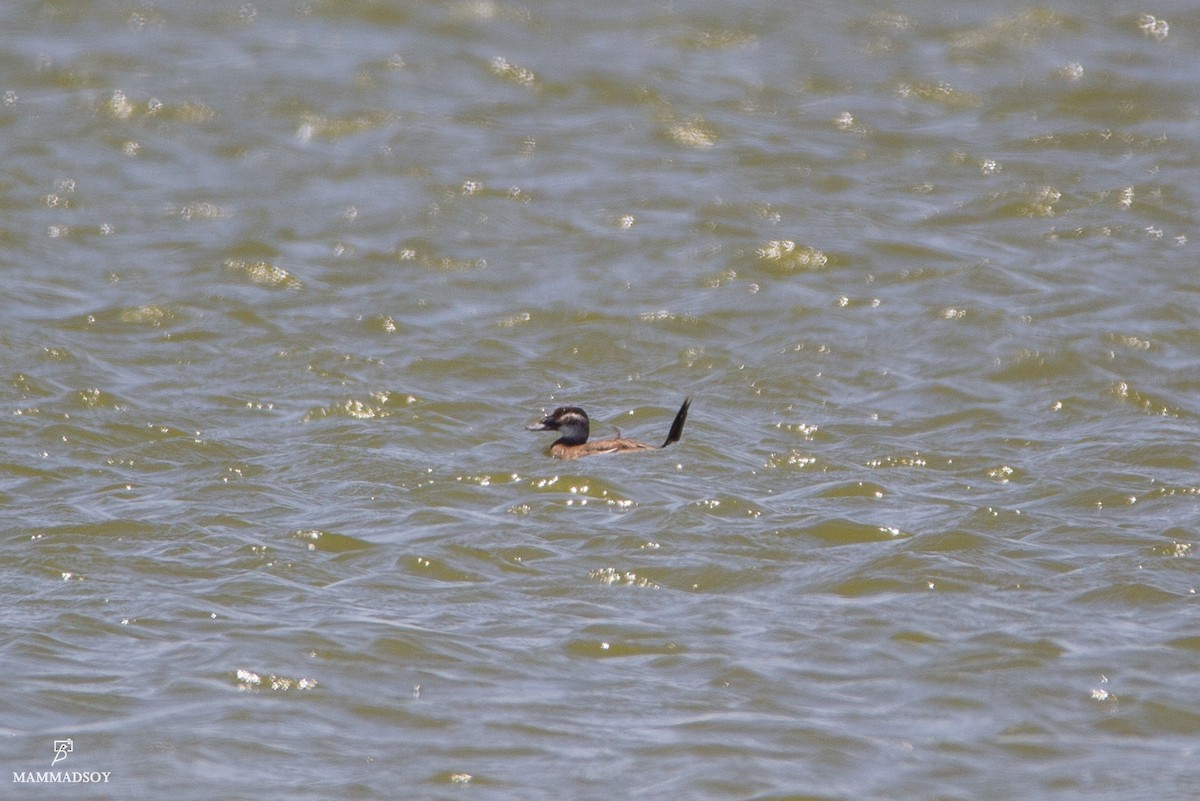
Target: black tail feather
(677,426)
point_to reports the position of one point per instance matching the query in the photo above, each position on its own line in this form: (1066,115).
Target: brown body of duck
(572,424)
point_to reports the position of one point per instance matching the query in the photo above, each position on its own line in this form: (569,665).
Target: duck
(572,424)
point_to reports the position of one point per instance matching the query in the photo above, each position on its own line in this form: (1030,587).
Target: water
(283,284)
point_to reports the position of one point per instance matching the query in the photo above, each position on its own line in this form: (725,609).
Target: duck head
(570,421)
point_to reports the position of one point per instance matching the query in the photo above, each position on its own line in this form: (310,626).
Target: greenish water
(284,283)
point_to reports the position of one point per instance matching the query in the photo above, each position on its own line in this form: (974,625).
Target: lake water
(283,283)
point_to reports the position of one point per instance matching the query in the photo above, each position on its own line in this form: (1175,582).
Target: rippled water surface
(283,283)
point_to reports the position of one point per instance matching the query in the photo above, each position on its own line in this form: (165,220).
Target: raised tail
(677,426)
